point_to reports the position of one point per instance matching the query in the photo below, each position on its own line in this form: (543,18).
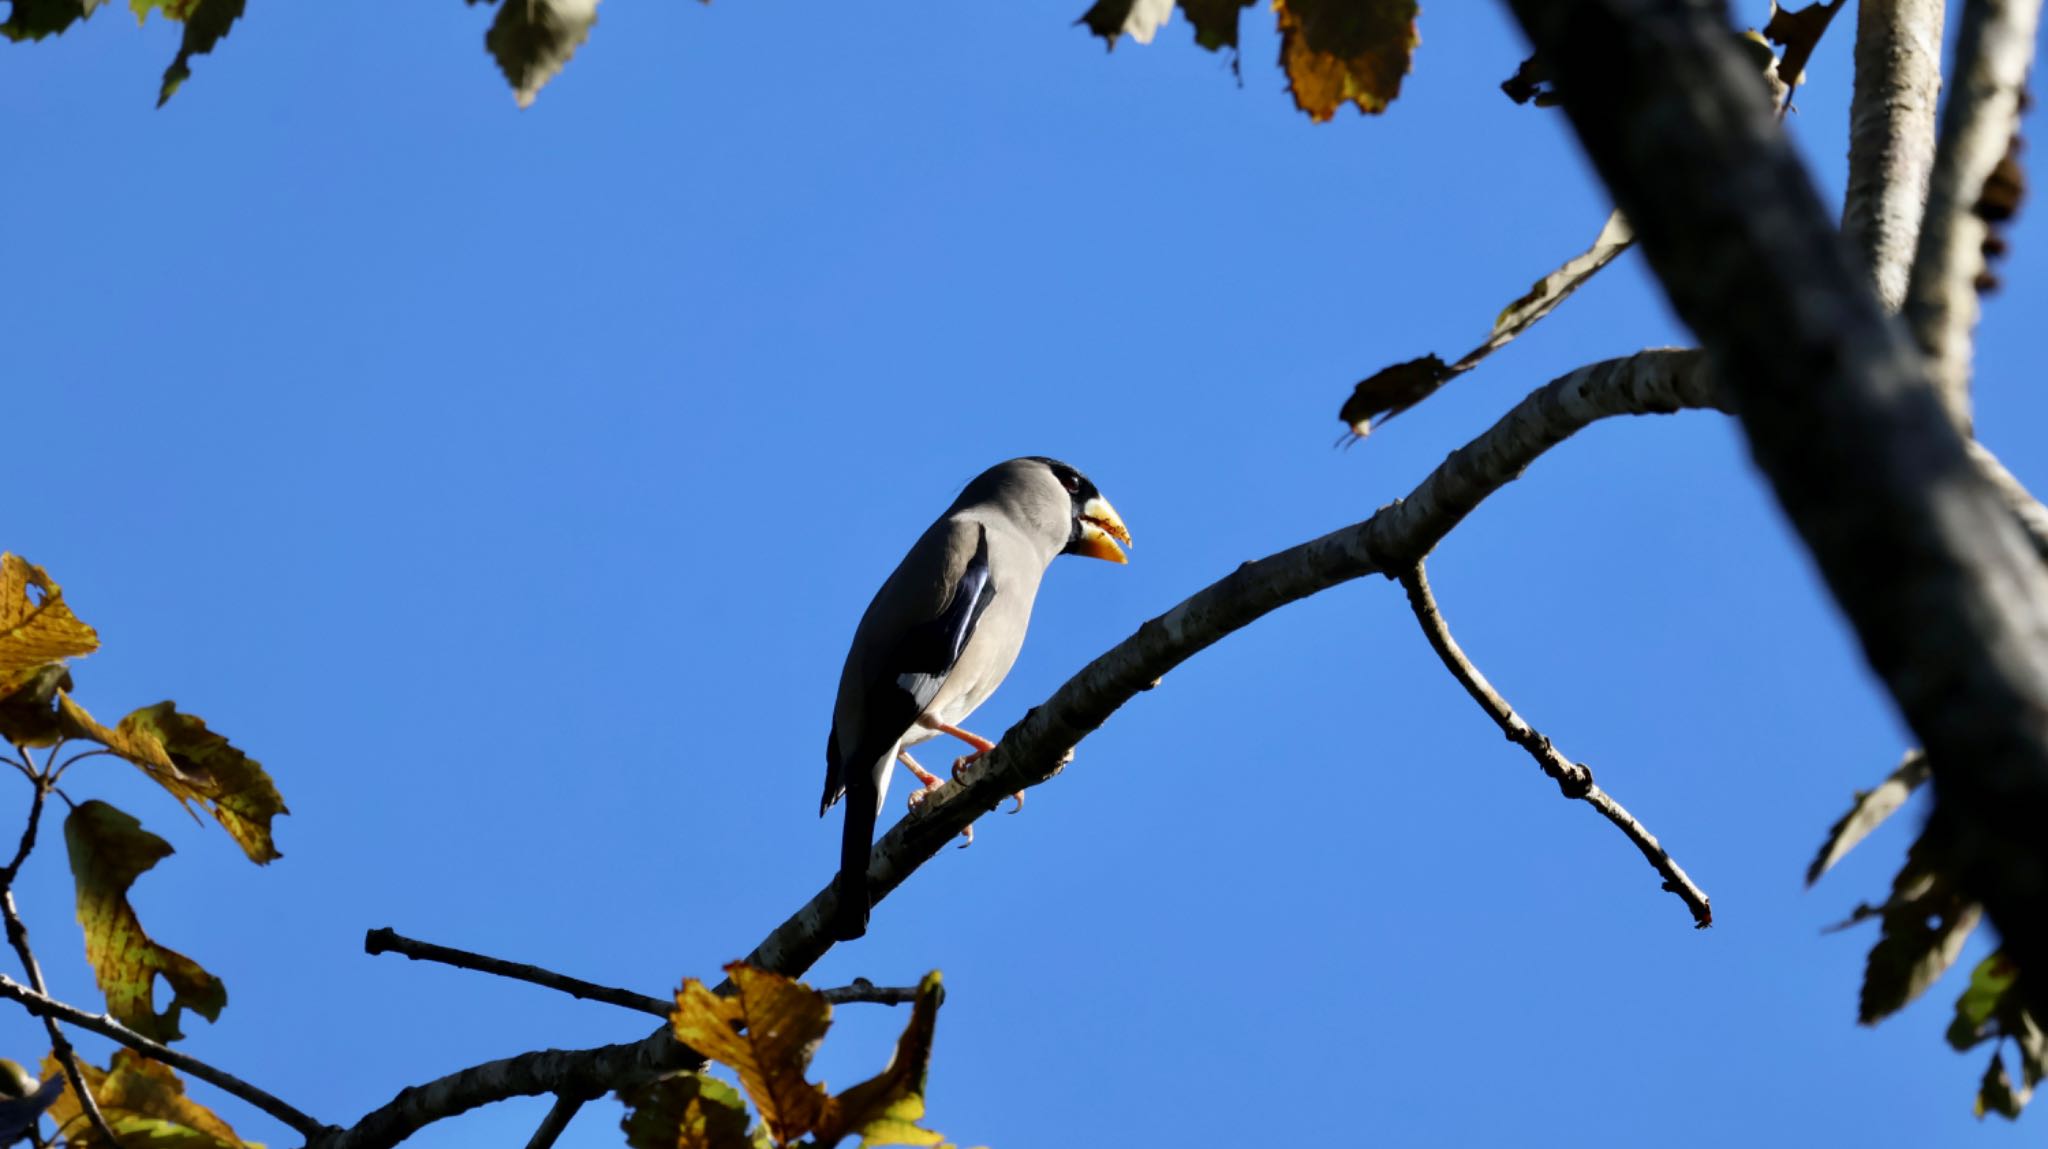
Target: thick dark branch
(48,1007)
(1574,779)
(1945,592)
(387,940)
(1032,751)
(1994,49)
(1891,136)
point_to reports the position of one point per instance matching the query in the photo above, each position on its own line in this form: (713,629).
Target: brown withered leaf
(195,765)
(766,1031)
(885,1109)
(1798,33)
(144,1104)
(109,850)
(1541,299)
(36,627)
(532,41)
(1345,51)
(687,1111)
(1391,390)
(1868,811)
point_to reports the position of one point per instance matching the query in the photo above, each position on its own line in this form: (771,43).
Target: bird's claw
(967,836)
(1019,807)
(961,764)
(921,794)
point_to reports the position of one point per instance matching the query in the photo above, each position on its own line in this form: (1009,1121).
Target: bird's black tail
(850,919)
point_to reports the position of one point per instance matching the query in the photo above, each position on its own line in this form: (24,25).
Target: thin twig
(388,940)
(43,1005)
(1574,779)
(17,936)
(74,760)
(559,1115)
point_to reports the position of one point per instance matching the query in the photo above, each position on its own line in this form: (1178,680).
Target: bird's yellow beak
(1101,529)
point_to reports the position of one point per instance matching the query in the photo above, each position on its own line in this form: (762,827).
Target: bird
(941,634)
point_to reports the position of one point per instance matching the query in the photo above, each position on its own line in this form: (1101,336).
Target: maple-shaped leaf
(1138,19)
(1922,927)
(35,19)
(533,39)
(886,1109)
(1867,812)
(144,1104)
(205,21)
(766,1030)
(1345,51)
(195,765)
(28,705)
(109,850)
(36,627)
(687,1111)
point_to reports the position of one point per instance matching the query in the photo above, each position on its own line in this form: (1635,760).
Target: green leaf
(195,765)
(206,24)
(145,1105)
(533,39)
(1987,999)
(109,850)
(687,1111)
(1869,810)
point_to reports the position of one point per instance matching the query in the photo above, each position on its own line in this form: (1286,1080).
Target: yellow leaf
(195,765)
(687,1111)
(885,1109)
(1345,51)
(766,1031)
(35,625)
(145,1105)
(109,850)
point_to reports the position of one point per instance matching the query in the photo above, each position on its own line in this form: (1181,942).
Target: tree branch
(1994,48)
(1949,599)
(563,1111)
(1891,136)
(387,940)
(1395,538)
(1574,779)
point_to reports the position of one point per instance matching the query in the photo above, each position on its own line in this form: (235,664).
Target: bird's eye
(1072,482)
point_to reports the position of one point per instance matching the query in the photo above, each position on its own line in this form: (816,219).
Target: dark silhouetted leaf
(23,1099)
(1391,390)
(1922,929)
(687,1111)
(1138,19)
(1215,21)
(1869,810)
(109,850)
(1798,33)
(28,705)
(533,39)
(1531,81)
(35,19)
(1345,51)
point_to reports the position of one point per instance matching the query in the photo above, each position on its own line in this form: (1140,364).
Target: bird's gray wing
(902,678)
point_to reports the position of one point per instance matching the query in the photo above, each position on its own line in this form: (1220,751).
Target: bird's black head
(1097,528)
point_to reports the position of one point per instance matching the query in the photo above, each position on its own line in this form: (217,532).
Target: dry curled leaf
(195,765)
(109,850)
(1345,51)
(1867,812)
(1391,390)
(886,1108)
(766,1031)
(145,1105)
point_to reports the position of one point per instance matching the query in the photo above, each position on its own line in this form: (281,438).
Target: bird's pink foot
(929,781)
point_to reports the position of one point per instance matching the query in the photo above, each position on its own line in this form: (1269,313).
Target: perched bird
(941,634)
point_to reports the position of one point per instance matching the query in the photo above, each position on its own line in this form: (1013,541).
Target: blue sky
(510,483)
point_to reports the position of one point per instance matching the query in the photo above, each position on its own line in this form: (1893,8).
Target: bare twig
(1891,136)
(17,937)
(1034,749)
(45,1006)
(863,990)
(1945,592)
(387,940)
(1574,779)
(1994,49)
(564,1110)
